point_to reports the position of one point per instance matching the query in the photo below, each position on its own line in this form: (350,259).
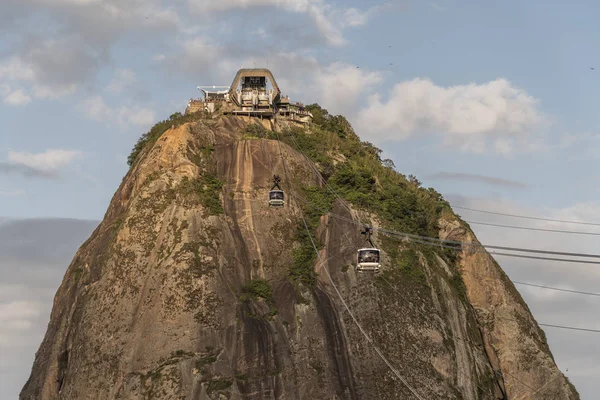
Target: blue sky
(144,73)
(493,104)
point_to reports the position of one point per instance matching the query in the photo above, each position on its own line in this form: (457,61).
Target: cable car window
(276,195)
(368,256)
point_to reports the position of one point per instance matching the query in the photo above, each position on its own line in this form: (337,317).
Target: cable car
(276,198)
(276,195)
(368,258)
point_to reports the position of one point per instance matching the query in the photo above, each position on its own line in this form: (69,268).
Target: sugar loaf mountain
(258,249)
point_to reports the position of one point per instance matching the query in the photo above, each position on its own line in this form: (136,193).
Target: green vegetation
(409,264)
(355,171)
(303,256)
(181,353)
(452,254)
(118,224)
(150,137)
(77,273)
(457,283)
(196,268)
(200,156)
(217,385)
(204,190)
(257,131)
(361,177)
(259,288)
(205,361)
(405,261)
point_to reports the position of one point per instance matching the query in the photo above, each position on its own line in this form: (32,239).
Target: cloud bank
(468,177)
(34,255)
(47,164)
(494,115)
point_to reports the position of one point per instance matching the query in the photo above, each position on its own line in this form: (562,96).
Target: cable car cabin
(368,259)
(276,198)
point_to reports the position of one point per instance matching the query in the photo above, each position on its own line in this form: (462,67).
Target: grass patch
(181,353)
(217,385)
(205,190)
(410,265)
(200,155)
(303,256)
(205,361)
(118,224)
(259,288)
(257,131)
(150,137)
(196,268)
(457,283)
(363,178)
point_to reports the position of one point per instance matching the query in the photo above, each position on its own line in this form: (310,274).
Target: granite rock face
(514,343)
(184,292)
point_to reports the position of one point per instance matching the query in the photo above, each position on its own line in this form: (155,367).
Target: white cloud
(340,85)
(13,97)
(328,20)
(52,67)
(17,98)
(466,114)
(54,92)
(56,59)
(140,116)
(199,51)
(261,33)
(50,161)
(123,79)
(354,17)
(18,315)
(477,178)
(33,257)
(96,109)
(14,68)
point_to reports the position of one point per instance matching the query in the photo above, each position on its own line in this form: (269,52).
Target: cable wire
(557,289)
(464,244)
(535,229)
(431,241)
(528,217)
(534,284)
(571,328)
